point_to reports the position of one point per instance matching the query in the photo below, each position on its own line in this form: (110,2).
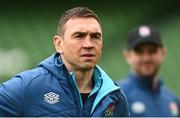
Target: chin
(87,66)
(148,71)
(147,74)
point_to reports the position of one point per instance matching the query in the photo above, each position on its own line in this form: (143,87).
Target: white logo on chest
(51,98)
(138,107)
(174,109)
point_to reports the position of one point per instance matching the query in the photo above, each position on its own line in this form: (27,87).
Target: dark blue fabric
(25,94)
(146,102)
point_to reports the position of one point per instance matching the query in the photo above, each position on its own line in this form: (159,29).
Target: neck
(153,78)
(84,80)
(83,77)
(154,83)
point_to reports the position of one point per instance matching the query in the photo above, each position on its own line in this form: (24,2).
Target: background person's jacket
(146,102)
(50,90)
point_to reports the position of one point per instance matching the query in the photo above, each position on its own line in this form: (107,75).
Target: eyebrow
(96,33)
(82,33)
(85,33)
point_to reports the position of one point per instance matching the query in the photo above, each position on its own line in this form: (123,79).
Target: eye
(96,36)
(138,51)
(79,35)
(153,51)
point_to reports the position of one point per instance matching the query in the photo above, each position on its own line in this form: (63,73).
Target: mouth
(87,55)
(147,63)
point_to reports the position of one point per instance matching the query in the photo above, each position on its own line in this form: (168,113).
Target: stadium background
(27,29)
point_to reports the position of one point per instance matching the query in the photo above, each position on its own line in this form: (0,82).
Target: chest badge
(109,111)
(138,107)
(174,109)
(51,98)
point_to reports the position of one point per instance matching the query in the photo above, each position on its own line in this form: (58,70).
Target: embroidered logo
(109,111)
(51,98)
(144,31)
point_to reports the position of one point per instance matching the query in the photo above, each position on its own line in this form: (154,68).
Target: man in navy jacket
(68,83)
(144,88)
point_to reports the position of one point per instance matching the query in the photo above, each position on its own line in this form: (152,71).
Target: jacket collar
(56,66)
(145,82)
(107,87)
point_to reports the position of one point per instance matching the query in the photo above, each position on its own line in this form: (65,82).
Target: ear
(127,56)
(163,52)
(58,43)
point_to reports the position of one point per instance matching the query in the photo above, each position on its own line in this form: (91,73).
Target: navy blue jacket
(50,90)
(144,101)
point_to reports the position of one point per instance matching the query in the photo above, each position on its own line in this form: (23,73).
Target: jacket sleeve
(122,109)
(11,97)
(126,112)
(178,105)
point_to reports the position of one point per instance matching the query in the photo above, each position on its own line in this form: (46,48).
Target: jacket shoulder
(169,93)
(122,108)
(12,92)
(125,84)
(29,75)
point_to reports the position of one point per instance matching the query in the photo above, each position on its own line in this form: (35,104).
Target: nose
(146,56)
(88,43)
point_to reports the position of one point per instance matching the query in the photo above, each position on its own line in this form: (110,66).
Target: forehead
(82,25)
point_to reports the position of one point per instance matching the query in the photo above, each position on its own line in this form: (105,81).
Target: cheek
(135,59)
(158,59)
(70,48)
(98,48)
(133,62)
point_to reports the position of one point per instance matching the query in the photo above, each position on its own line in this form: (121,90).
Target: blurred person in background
(68,83)
(143,87)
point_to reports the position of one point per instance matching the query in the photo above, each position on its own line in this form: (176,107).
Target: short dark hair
(79,12)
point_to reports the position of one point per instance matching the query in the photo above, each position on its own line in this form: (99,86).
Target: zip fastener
(75,93)
(71,85)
